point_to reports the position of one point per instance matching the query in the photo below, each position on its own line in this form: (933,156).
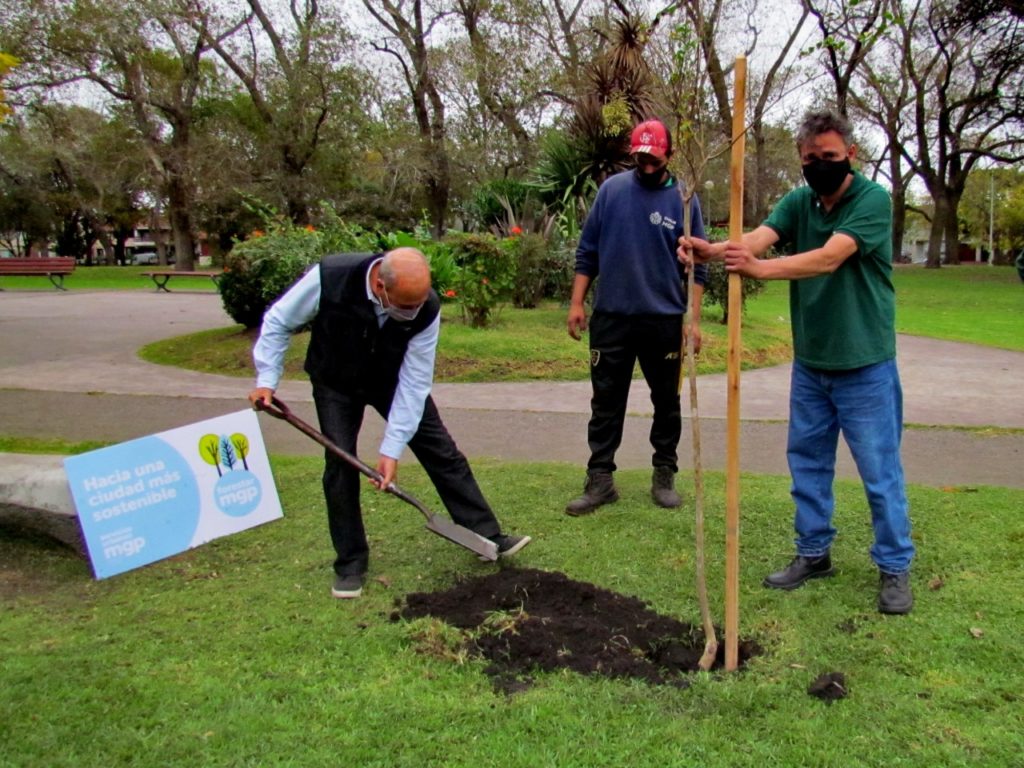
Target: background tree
(7,63)
(968,106)
(296,89)
(713,33)
(146,55)
(26,215)
(407,26)
(988,211)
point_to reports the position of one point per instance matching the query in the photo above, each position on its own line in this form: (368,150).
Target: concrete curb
(34,497)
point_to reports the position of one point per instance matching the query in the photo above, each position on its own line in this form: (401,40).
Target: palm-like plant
(618,95)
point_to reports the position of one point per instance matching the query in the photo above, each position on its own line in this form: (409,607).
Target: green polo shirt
(846,319)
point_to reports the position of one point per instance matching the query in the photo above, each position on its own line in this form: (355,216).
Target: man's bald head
(405,274)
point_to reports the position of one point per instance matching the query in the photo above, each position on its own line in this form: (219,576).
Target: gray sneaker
(508,545)
(347,586)
(894,595)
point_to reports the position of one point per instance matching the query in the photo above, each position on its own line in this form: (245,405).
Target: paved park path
(69,369)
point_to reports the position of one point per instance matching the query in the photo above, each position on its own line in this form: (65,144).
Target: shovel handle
(279,410)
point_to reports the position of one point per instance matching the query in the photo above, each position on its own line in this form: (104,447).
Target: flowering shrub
(536,265)
(485,276)
(260,269)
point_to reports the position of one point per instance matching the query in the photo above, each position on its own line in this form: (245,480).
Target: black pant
(341,416)
(617,342)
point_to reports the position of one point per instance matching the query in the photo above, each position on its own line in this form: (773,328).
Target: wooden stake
(735,348)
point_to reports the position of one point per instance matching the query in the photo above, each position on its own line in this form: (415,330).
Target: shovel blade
(464,537)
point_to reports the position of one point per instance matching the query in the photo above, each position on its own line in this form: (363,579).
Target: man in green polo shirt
(837,232)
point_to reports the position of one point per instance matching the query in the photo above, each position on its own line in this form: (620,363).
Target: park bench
(161,276)
(54,267)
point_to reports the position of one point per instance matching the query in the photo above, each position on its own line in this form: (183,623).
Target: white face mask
(399,314)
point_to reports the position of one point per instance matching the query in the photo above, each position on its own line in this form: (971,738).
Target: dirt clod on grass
(829,687)
(525,621)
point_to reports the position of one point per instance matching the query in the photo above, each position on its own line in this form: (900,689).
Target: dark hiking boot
(663,488)
(598,490)
(894,595)
(800,570)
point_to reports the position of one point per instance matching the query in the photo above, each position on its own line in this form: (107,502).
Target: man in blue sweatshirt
(629,241)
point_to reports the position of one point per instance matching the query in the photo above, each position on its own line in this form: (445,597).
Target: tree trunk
(952,227)
(180,218)
(109,256)
(899,219)
(951,237)
(937,231)
(179,197)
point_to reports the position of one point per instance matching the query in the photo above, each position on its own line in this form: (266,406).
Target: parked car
(145,257)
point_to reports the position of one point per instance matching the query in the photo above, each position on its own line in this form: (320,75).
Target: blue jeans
(867,405)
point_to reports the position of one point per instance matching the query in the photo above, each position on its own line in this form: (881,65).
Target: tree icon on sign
(209,451)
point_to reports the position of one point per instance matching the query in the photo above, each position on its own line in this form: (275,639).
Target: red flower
(516,230)
(450,293)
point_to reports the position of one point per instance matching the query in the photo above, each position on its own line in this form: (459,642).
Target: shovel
(458,534)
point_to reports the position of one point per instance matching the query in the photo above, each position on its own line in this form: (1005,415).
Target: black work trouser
(617,343)
(341,416)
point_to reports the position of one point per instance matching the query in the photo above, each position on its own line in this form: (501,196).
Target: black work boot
(894,595)
(663,488)
(800,570)
(599,489)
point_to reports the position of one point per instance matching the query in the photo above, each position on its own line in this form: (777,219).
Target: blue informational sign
(147,499)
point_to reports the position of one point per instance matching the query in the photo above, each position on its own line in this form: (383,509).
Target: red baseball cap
(650,138)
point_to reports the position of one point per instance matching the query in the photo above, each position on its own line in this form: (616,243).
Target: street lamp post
(709,185)
(991,215)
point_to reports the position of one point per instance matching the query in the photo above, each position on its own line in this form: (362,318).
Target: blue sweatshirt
(630,239)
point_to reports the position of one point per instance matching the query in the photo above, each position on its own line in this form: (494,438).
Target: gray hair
(817,122)
(387,272)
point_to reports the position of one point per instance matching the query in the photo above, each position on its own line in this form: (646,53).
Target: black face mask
(826,176)
(652,180)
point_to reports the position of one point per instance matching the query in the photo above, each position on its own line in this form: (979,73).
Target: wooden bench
(54,267)
(161,276)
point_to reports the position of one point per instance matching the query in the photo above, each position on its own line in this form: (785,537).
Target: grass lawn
(977,304)
(234,654)
(523,345)
(971,303)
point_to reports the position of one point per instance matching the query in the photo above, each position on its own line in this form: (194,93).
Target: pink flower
(485,281)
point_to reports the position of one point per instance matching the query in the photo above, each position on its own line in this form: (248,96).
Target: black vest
(348,351)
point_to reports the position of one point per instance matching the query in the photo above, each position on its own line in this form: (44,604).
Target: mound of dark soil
(525,621)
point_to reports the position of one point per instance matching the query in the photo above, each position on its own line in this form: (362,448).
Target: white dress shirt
(299,305)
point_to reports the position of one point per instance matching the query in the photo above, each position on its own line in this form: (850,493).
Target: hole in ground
(525,621)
